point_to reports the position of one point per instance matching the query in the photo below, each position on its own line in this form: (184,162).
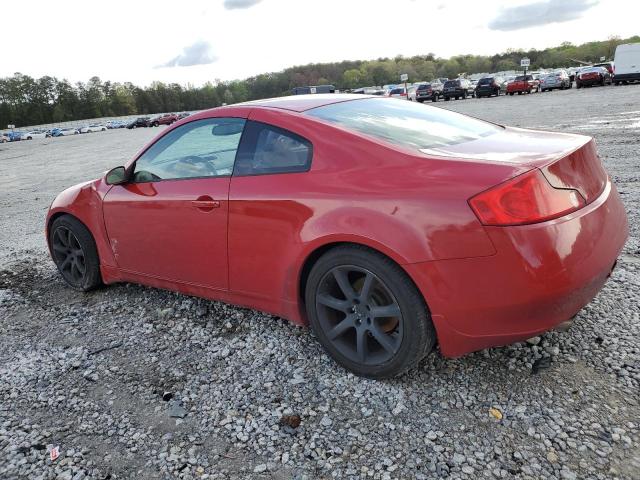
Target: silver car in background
(557,79)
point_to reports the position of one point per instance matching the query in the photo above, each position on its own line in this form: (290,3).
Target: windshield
(407,124)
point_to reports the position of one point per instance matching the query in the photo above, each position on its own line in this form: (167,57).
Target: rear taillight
(525,199)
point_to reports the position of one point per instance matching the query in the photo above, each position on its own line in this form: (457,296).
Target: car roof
(300,103)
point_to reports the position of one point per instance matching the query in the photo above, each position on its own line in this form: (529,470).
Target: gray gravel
(133,382)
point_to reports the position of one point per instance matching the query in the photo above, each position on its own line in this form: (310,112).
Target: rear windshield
(485,81)
(407,124)
(397,91)
(452,83)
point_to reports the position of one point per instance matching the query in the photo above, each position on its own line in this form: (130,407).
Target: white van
(627,63)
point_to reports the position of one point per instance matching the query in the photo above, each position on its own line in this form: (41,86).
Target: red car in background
(523,84)
(588,77)
(165,119)
(387,226)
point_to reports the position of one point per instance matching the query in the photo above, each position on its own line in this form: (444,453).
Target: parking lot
(133,382)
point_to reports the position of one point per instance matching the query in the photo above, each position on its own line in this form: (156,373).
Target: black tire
(73,248)
(511,93)
(155,124)
(405,339)
(434,98)
(446,99)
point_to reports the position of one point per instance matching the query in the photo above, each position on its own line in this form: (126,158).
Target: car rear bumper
(540,277)
(590,81)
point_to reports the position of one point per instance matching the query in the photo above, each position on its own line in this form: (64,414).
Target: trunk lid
(566,160)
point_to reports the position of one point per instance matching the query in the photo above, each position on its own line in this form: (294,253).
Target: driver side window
(202,148)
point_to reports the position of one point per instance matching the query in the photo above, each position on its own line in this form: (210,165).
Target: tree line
(32,101)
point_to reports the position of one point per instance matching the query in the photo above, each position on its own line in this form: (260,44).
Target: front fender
(84,201)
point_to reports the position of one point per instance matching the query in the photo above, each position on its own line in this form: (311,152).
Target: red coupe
(388,226)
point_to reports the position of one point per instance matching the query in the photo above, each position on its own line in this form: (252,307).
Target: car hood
(516,146)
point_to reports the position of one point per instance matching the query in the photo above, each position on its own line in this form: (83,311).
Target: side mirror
(116,176)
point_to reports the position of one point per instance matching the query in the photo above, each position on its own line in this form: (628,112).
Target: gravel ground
(133,382)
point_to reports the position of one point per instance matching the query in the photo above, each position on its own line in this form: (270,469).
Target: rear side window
(266,149)
(404,123)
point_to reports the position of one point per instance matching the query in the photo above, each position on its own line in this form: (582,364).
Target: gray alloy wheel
(367,313)
(74,252)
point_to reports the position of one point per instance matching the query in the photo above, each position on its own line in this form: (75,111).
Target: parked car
(397,92)
(4,138)
(608,65)
(593,76)
(627,63)
(424,91)
(34,134)
(558,79)
(476,259)
(474,84)
(63,132)
(522,84)
(15,136)
(115,124)
(368,91)
(93,128)
(166,119)
(459,88)
(489,86)
(183,115)
(139,122)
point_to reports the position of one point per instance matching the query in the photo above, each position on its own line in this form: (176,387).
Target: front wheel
(367,313)
(74,252)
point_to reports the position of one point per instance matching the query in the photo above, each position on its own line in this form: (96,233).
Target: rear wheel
(367,313)
(74,252)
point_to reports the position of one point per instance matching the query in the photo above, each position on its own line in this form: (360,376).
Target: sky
(195,41)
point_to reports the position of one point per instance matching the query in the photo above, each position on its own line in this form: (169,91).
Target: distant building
(313,89)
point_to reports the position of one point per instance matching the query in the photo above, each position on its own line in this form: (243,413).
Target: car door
(170,220)
(265,211)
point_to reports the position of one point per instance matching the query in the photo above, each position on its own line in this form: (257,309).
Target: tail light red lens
(525,199)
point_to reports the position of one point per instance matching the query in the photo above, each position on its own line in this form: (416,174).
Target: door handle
(205,203)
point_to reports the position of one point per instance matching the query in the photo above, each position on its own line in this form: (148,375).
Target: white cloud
(198,53)
(540,13)
(239,4)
